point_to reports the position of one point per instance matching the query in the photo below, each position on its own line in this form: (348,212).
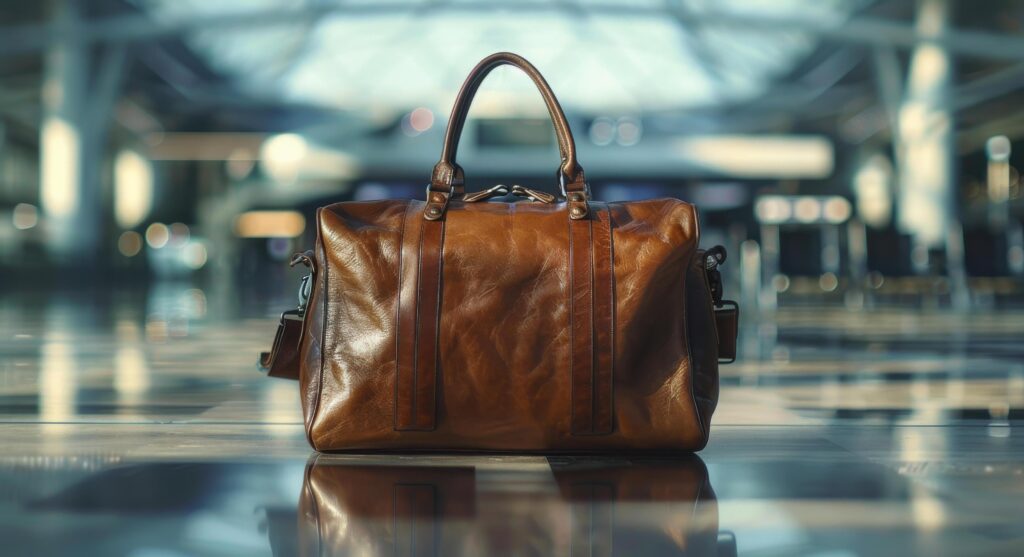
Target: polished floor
(138,426)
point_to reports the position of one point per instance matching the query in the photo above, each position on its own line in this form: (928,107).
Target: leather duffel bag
(507,320)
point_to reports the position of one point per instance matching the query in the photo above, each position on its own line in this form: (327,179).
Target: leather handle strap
(448,175)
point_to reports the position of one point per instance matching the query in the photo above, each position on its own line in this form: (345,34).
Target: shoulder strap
(283,359)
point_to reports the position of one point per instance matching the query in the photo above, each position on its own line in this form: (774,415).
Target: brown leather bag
(527,324)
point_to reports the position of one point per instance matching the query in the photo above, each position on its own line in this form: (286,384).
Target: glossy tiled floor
(139,427)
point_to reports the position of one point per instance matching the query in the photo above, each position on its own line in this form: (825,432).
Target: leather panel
(405,342)
(581,331)
(361,245)
(504,374)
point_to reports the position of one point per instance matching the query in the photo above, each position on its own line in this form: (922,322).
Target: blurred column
(926,177)
(72,214)
(79,92)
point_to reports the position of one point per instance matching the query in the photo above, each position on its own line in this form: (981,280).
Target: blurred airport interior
(161,160)
(852,152)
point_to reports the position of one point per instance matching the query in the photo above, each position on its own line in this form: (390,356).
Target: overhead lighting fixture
(129,243)
(750,156)
(270,224)
(802,209)
(25,216)
(157,235)
(133,188)
(60,157)
(417,121)
(282,155)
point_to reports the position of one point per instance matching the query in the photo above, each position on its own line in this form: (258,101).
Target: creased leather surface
(503,379)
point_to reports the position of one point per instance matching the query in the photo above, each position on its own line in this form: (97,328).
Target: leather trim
(590,329)
(427,327)
(320,241)
(418,311)
(405,316)
(581,351)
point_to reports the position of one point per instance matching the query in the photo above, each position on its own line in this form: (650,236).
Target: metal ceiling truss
(857,29)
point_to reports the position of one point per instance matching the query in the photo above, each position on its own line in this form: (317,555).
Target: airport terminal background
(161,160)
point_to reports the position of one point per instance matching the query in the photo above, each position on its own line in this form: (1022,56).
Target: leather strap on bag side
(283,359)
(592,305)
(418,313)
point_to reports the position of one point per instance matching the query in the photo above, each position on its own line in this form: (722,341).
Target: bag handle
(448,177)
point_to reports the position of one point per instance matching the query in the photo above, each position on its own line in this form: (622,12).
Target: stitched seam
(572,333)
(437,320)
(593,333)
(611,323)
(416,326)
(611,315)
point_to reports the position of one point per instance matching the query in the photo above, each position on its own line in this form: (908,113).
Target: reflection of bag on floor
(611,508)
(529,323)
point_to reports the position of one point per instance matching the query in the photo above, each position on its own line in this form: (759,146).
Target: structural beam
(857,29)
(926,147)
(78,94)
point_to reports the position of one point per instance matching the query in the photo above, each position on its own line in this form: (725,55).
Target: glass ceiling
(599,57)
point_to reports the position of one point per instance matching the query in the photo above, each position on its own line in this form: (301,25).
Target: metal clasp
(532,194)
(305,289)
